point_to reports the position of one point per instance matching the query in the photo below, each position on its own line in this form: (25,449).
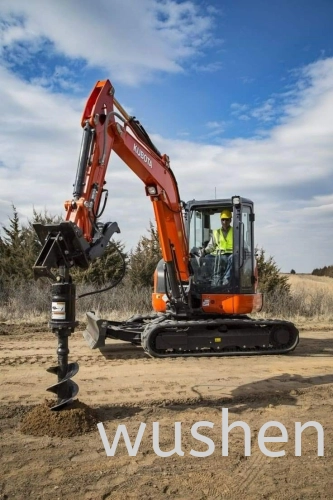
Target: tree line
(323,271)
(20,247)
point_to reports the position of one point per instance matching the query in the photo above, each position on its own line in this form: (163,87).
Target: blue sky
(239,94)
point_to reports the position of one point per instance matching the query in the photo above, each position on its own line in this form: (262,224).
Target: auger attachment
(63,324)
(65,389)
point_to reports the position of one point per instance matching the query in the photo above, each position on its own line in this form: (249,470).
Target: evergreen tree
(104,270)
(20,246)
(15,257)
(270,279)
(324,271)
(144,259)
(39,218)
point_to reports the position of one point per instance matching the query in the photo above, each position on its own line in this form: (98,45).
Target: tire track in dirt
(88,361)
(12,353)
(123,373)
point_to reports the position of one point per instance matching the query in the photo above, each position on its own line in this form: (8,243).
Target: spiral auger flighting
(63,324)
(65,389)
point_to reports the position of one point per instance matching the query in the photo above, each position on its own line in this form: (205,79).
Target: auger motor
(63,324)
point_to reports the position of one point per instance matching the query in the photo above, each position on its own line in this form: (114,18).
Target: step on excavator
(204,289)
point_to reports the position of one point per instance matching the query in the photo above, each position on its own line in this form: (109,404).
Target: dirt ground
(124,386)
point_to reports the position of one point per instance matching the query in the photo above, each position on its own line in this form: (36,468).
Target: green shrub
(269,275)
(144,259)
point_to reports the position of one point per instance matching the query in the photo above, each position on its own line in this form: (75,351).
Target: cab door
(244,254)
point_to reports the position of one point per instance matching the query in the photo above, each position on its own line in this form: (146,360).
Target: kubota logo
(143,155)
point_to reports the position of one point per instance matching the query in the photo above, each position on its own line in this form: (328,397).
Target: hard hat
(226,214)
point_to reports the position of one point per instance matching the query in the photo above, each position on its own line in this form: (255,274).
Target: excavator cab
(219,270)
(221,282)
(219,273)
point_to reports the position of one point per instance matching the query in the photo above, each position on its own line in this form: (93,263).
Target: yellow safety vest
(224,244)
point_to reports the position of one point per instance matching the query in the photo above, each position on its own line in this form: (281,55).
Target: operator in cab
(220,246)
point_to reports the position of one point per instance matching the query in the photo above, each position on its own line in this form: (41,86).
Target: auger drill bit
(63,324)
(65,389)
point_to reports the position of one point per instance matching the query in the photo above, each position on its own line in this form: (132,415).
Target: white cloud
(244,118)
(38,142)
(287,173)
(237,107)
(240,111)
(130,40)
(210,67)
(247,79)
(214,125)
(266,112)
(216,129)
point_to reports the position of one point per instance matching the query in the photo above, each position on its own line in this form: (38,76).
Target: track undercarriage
(162,336)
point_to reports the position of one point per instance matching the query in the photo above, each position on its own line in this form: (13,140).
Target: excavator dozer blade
(94,333)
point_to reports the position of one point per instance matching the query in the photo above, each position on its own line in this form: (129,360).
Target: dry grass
(308,280)
(31,302)
(311,300)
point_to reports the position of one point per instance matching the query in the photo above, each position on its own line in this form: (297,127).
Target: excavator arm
(81,238)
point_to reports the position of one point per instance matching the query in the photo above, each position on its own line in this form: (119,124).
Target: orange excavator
(201,298)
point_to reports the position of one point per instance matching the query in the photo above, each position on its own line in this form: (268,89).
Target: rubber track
(149,335)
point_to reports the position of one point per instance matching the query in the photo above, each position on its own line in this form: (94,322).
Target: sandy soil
(124,386)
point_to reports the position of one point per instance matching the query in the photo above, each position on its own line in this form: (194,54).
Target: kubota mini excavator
(197,312)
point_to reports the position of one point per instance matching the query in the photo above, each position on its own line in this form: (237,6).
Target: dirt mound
(72,421)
